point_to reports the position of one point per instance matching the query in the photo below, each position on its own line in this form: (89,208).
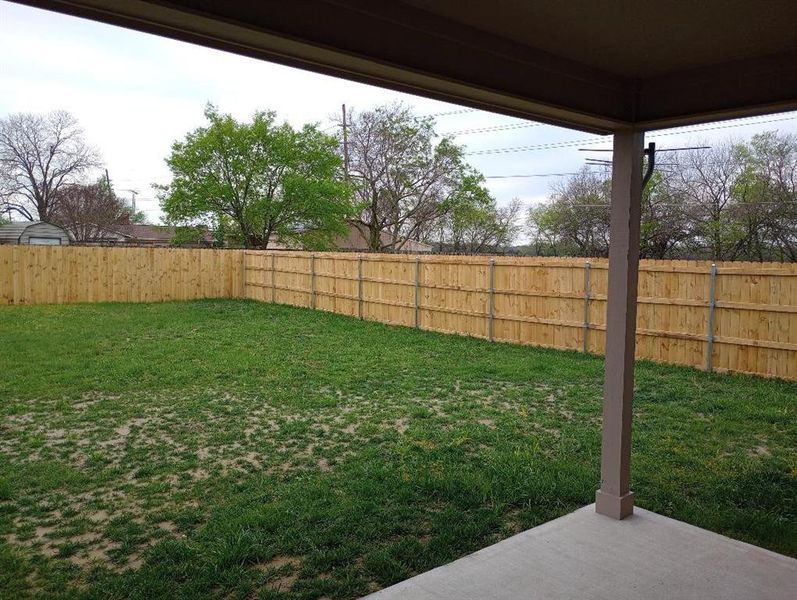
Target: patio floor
(586,555)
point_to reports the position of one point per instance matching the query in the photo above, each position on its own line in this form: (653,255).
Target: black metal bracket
(650,152)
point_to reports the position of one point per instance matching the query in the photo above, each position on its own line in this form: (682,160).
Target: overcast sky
(134,94)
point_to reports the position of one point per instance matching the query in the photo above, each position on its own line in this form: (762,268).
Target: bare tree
(402,180)
(39,154)
(707,182)
(89,212)
(734,201)
(577,218)
(665,226)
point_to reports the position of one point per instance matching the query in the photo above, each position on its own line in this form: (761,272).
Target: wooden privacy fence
(66,274)
(728,317)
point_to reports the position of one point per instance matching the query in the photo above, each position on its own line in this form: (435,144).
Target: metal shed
(33,233)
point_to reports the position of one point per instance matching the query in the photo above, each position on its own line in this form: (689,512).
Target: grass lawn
(236,449)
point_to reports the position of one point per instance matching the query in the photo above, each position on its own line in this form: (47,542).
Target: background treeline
(260,182)
(733,201)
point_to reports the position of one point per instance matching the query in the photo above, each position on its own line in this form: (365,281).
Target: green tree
(767,191)
(475,223)
(266,180)
(189,236)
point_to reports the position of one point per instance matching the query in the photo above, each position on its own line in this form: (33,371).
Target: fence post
(273,278)
(490,299)
(360,287)
(712,302)
(417,292)
(587,269)
(312,281)
(15,274)
(243,273)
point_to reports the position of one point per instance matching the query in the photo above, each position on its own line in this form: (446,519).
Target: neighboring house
(157,235)
(132,234)
(356,240)
(358,236)
(34,233)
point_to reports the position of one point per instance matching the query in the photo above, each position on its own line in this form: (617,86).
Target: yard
(238,449)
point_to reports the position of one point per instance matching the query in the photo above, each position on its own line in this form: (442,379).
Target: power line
(491,129)
(657,150)
(546,146)
(705,204)
(741,122)
(530,175)
(451,112)
(589,141)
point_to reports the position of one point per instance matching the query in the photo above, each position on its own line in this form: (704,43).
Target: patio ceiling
(595,66)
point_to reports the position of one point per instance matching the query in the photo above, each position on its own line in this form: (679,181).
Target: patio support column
(614,498)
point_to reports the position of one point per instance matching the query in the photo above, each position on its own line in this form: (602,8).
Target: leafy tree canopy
(263,179)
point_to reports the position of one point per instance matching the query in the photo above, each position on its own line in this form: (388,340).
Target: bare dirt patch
(285,571)
(760,451)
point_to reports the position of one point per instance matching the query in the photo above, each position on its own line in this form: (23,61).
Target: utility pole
(345,145)
(108,180)
(133,194)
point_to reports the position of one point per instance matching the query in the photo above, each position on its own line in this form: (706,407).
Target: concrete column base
(616,507)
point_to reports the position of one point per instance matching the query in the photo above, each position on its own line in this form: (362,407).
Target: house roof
(598,66)
(357,239)
(151,233)
(155,233)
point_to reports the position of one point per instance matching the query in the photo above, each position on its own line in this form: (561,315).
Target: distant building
(358,236)
(356,240)
(34,233)
(157,235)
(133,234)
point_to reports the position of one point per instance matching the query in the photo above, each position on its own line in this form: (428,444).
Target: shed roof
(12,232)
(598,66)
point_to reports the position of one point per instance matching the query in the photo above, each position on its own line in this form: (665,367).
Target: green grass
(236,449)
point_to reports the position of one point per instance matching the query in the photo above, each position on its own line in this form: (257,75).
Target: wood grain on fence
(68,274)
(554,302)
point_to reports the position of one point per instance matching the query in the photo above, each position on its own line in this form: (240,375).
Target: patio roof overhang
(610,67)
(595,66)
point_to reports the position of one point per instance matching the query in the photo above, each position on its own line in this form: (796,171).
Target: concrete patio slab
(590,556)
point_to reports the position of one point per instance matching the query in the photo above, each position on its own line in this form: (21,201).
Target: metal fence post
(587,269)
(312,281)
(360,287)
(417,292)
(712,302)
(273,277)
(490,299)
